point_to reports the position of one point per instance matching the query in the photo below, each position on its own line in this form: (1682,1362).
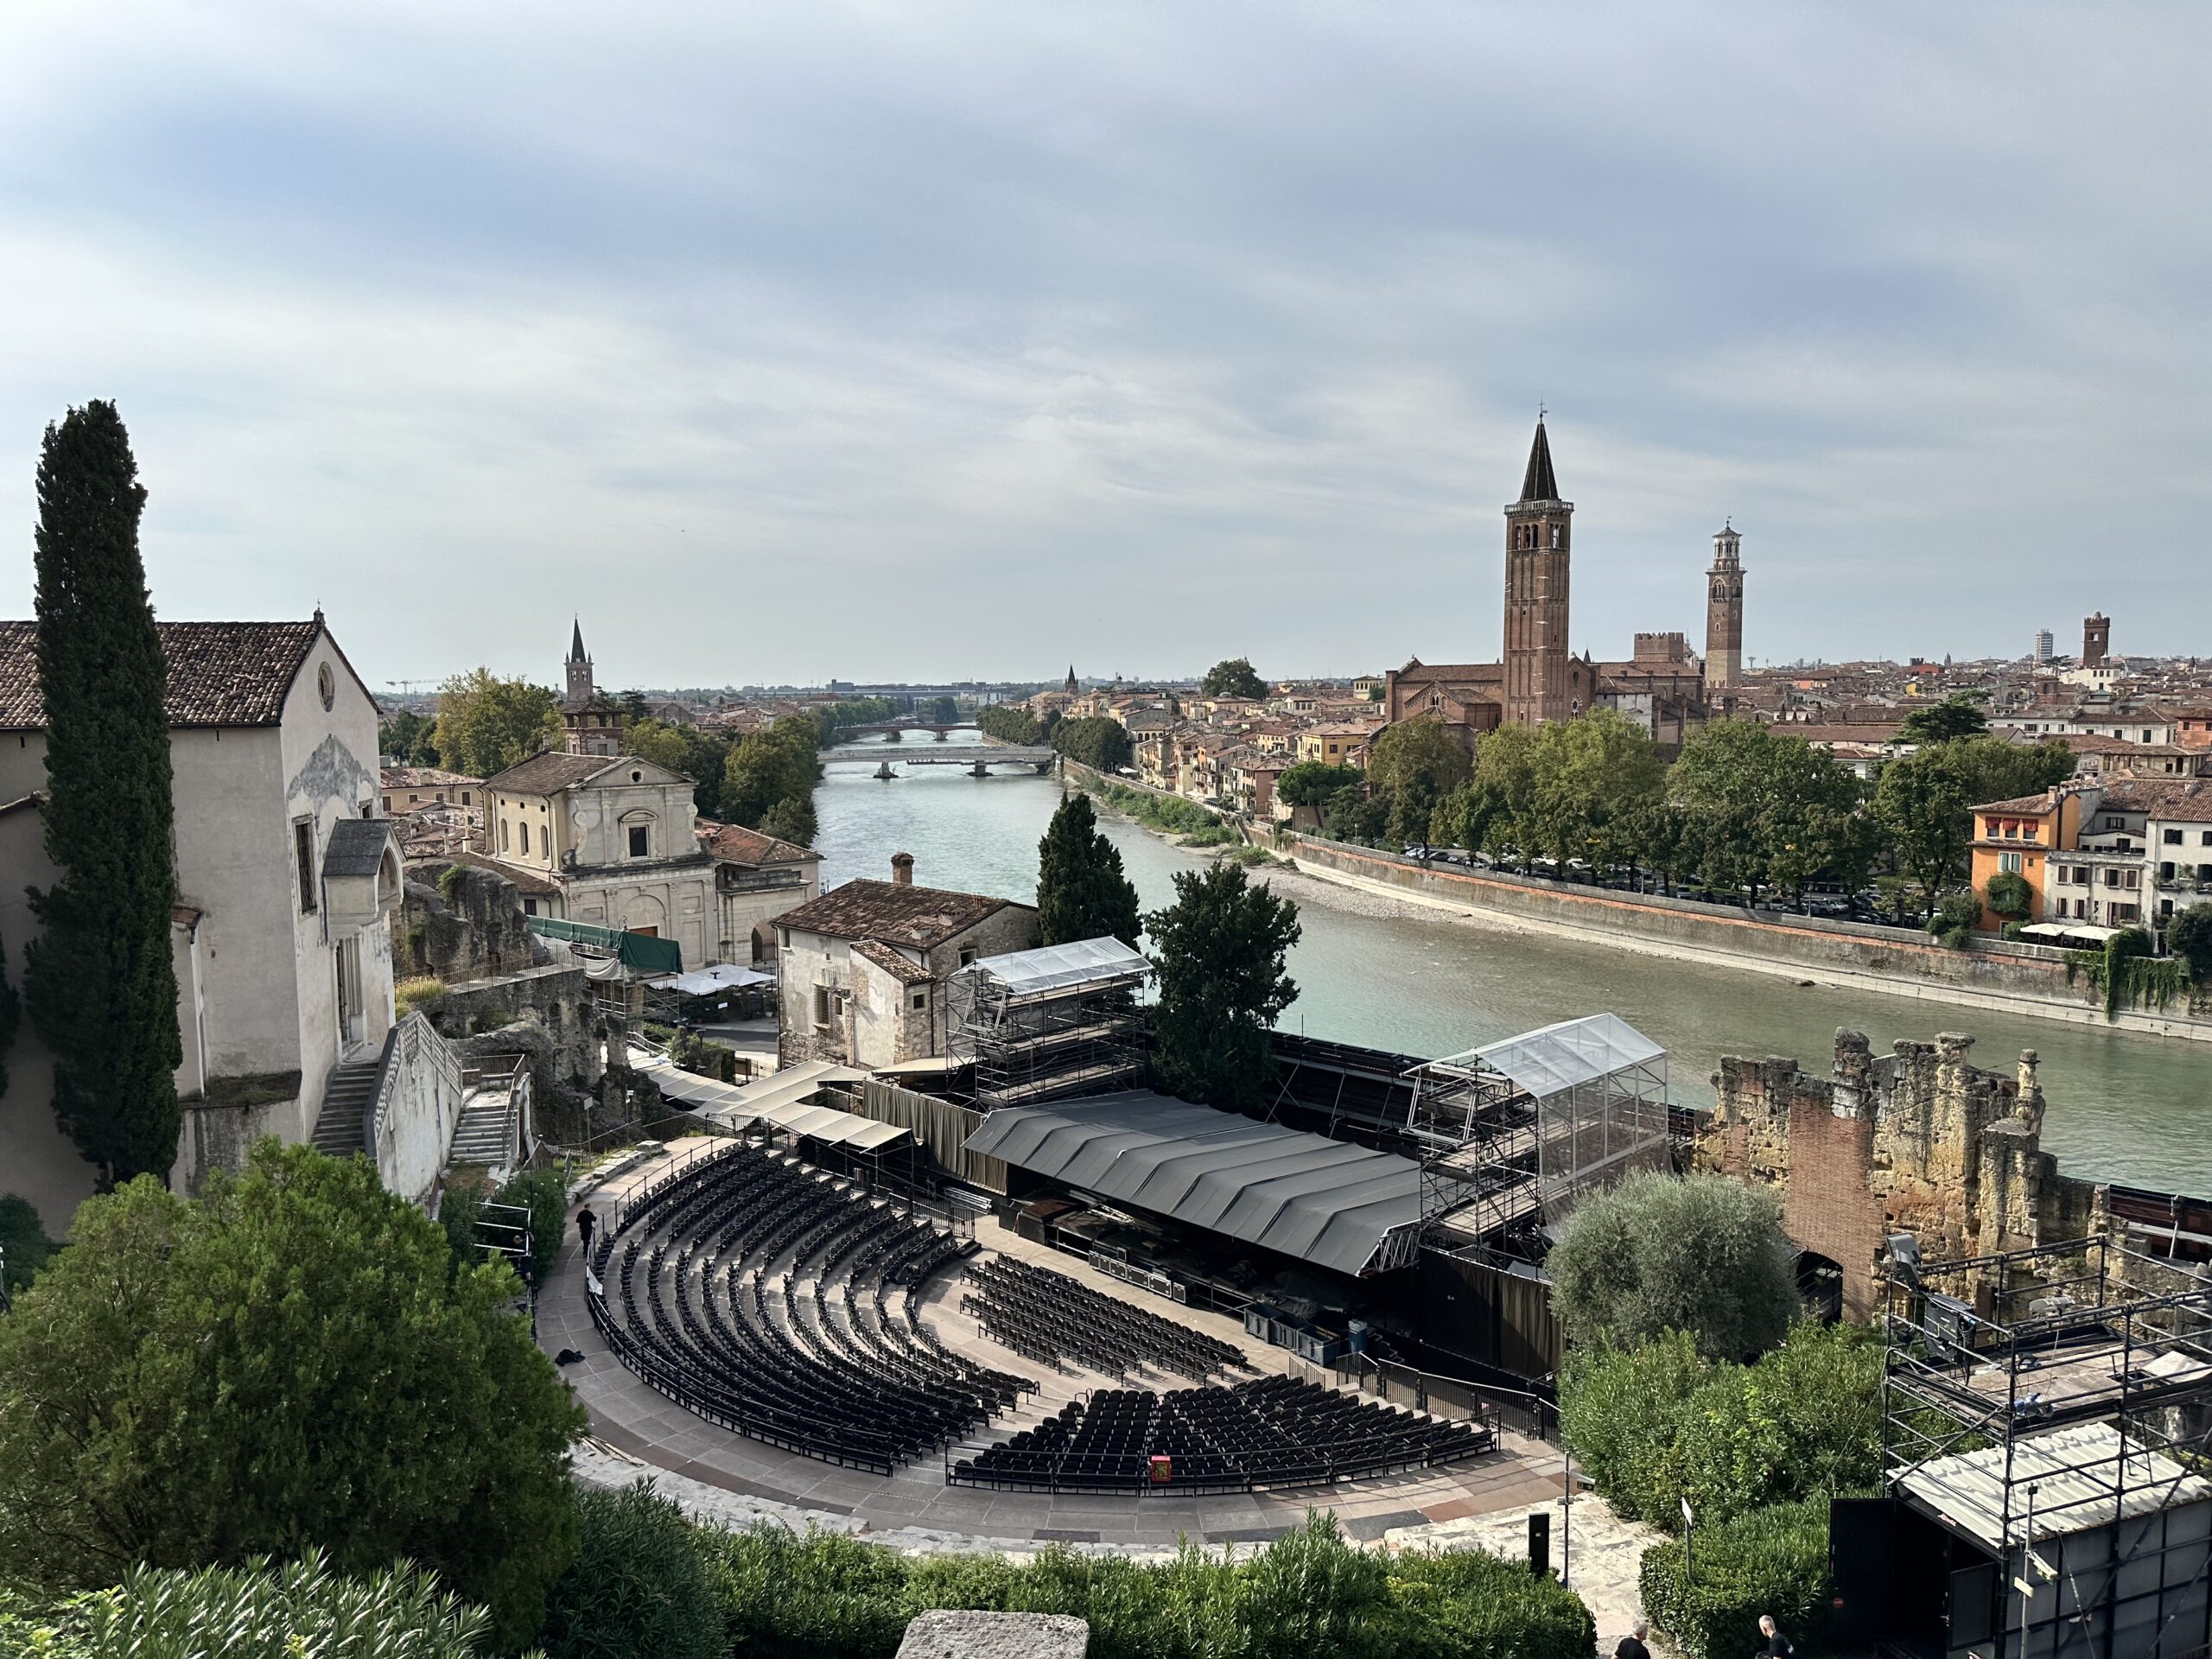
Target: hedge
(1772,1560)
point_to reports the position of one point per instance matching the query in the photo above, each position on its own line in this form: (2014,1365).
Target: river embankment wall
(2024,979)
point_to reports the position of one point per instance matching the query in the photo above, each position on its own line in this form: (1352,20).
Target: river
(2122,1107)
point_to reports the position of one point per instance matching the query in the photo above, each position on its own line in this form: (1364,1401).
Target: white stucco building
(287,877)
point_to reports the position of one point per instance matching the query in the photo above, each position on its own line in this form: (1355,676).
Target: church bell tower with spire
(1724,610)
(1538,540)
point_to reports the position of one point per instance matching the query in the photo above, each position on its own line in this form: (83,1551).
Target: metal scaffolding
(1515,1132)
(2049,1410)
(1046,1024)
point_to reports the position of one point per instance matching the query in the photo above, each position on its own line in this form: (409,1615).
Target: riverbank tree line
(1745,808)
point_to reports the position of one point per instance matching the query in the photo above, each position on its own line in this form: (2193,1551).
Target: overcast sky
(946,341)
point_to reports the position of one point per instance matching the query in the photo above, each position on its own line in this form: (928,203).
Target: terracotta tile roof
(551,771)
(220,673)
(921,917)
(902,969)
(422,778)
(733,843)
(2018,803)
(2183,800)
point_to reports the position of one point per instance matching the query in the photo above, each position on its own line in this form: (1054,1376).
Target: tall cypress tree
(100,983)
(1081,892)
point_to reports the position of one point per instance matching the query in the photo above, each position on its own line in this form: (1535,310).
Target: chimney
(902,870)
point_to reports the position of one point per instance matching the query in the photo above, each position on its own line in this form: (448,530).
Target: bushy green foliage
(769,778)
(1954,919)
(1310,1595)
(1233,676)
(638,1584)
(1220,950)
(1095,741)
(1922,799)
(409,738)
(1315,783)
(1081,891)
(1700,1254)
(1760,808)
(1659,1422)
(2008,894)
(1009,723)
(1413,766)
(259,1610)
(2189,935)
(1170,813)
(540,1191)
(1772,1560)
(24,1248)
(487,724)
(1945,722)
(2127,975)
(99,980)
(294,1360)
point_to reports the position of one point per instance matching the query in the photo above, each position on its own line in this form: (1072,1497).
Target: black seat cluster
(768,1298)
(1278,1431)
(1051,1318)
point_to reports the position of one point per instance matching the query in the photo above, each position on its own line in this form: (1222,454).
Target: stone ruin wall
(1917,1141)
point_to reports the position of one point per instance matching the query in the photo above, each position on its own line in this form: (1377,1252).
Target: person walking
(587,1223)
(1631,1645)
(1777,1645)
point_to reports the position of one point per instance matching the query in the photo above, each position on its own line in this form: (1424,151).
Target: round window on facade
(636,776)
(326,685)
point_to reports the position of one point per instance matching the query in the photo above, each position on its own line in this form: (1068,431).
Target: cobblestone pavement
(721,1476)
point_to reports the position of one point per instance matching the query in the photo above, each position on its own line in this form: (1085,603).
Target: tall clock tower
(1724,610)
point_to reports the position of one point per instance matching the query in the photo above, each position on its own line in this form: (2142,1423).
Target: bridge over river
(977,759)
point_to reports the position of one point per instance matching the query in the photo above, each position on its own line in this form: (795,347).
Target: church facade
(1664,686)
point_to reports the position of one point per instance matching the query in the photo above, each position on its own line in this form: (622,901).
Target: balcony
(729,880)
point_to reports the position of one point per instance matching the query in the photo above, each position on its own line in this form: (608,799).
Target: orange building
(2018,837)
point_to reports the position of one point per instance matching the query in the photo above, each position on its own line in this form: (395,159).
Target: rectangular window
(821,1005)
(303,856)
(530,906)
(638,836)
(2172,837)
(2009,862)
(2134,878)
(921,998)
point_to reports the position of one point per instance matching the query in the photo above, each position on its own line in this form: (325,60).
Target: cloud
(965,339)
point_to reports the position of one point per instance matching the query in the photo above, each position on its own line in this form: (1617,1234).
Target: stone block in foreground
(947,1635)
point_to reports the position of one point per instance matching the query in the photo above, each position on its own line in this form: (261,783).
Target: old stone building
(861,971)
(1917,1141)
(1724,610)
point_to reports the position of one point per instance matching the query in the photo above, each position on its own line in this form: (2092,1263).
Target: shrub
(2189,935)
(1656,1424)
(1702,1254)
(1954,919)
(257,1612)
(424,992)
(540,1191)
(785,1595)
(1462,1603)
(639,1584)
(1772,1560)
(1210,834)
(2008,894)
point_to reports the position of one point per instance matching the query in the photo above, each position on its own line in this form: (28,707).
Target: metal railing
(409,1041)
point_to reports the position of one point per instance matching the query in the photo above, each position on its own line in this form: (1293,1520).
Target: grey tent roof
(1538,483)
(1323,1201)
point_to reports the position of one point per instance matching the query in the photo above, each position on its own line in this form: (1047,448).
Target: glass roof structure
(1060,967)
(1554,1059)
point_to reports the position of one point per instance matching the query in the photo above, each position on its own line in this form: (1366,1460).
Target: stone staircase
(342,1130)
(485,1132)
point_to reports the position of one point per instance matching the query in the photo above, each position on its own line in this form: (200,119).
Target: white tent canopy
(1554,1059)
(705,981)
(780,1098)
(1060,967)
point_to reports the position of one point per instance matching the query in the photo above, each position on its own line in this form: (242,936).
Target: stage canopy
(1335,1204)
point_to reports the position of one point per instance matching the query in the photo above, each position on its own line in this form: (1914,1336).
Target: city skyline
(1143,339)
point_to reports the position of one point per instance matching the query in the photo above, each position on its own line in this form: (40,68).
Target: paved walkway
(724,1477)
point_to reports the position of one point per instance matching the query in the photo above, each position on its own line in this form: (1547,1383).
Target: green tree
(1220,949)
(1233,676)
(487,724)
(1495,811)
(1355,815)
(638,1586)
(1414,765)
(24,1248)
(1924,800)
(1081,891)
(2189,935)
(1315,783)
(294,1361)
(1955,717)
(409,738)
(1009,723)
(1760,808)
(1659,1253)
(1596,780)
(1097,741)
(100,982)
(768,783)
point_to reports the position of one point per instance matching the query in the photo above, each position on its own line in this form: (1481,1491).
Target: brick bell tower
(1538,535)
(1724,610)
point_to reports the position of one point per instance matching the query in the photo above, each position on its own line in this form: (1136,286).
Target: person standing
(587,1223)
(1777,1645)
(1631,1645)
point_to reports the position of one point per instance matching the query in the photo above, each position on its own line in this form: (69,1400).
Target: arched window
(502,835)
(525,841)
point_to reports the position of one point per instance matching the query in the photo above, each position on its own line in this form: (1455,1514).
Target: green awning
(641,951)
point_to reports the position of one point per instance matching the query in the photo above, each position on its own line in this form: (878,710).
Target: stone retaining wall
(2024,979)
